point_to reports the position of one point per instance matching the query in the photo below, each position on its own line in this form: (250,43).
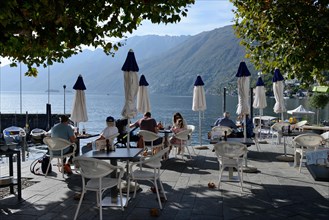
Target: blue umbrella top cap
(277,76)
(198,81)
(130,63)
(260,82)
(79,84)
(243,70)
(142,81)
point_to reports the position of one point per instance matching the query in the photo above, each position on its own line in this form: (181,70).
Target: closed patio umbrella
(260,97)
(279,107)
(79,109)
(243,109)
(278,88)
(199,101)
(143,100)
(130,69)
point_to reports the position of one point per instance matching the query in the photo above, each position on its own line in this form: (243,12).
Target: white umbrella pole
(128,133)
(260,122)
(244,127)
(200,139)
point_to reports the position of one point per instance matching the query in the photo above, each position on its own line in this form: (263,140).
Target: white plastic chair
(325,136)
(304,143)
(94,173)
(299,125)
(231,155)
(220,131)
(256,131)
(183,137)
(58,144)
(276,131)
(149,136)
(143,173)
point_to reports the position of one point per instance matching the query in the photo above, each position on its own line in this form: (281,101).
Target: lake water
(163,107)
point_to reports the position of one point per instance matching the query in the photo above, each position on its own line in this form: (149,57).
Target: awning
(320,89)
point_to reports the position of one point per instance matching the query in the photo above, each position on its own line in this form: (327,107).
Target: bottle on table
(107,145)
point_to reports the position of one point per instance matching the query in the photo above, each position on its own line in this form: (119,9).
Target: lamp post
(64,87)
(20,87)
(224,100)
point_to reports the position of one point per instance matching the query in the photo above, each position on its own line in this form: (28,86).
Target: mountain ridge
(169,63)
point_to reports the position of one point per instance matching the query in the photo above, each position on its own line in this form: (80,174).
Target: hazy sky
(204,15)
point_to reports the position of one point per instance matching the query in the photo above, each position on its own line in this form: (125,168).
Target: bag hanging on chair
(44,161)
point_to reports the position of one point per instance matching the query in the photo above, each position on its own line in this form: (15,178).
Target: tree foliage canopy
(41,32)
(291,35)
(319,100)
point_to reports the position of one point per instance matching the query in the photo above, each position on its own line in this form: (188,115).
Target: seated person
(149,124)
(178,127)
(110,129)
(225,121)
(177,116)
(65,131)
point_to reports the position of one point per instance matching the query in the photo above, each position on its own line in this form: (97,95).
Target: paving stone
(277,191)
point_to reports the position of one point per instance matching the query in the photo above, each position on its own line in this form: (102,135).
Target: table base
(285,158)
(124,187)
(249,169)
(114,201)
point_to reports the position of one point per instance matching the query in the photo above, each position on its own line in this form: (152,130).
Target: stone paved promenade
(276,191)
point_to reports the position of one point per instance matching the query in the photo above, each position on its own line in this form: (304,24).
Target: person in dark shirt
(225,121)
(149,124)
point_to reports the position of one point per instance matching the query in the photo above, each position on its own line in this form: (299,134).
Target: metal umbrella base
(285,158)
(124,186)
(249,169)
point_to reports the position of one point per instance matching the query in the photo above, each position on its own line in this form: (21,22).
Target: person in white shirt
(110,129)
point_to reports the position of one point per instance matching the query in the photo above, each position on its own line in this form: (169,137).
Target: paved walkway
(276,191)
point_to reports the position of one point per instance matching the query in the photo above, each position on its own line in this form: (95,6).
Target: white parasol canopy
(79,109)
(278,88)
(260,97)
(143,100)
(300,110)
(243,75)
(199,101)
(130,69)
